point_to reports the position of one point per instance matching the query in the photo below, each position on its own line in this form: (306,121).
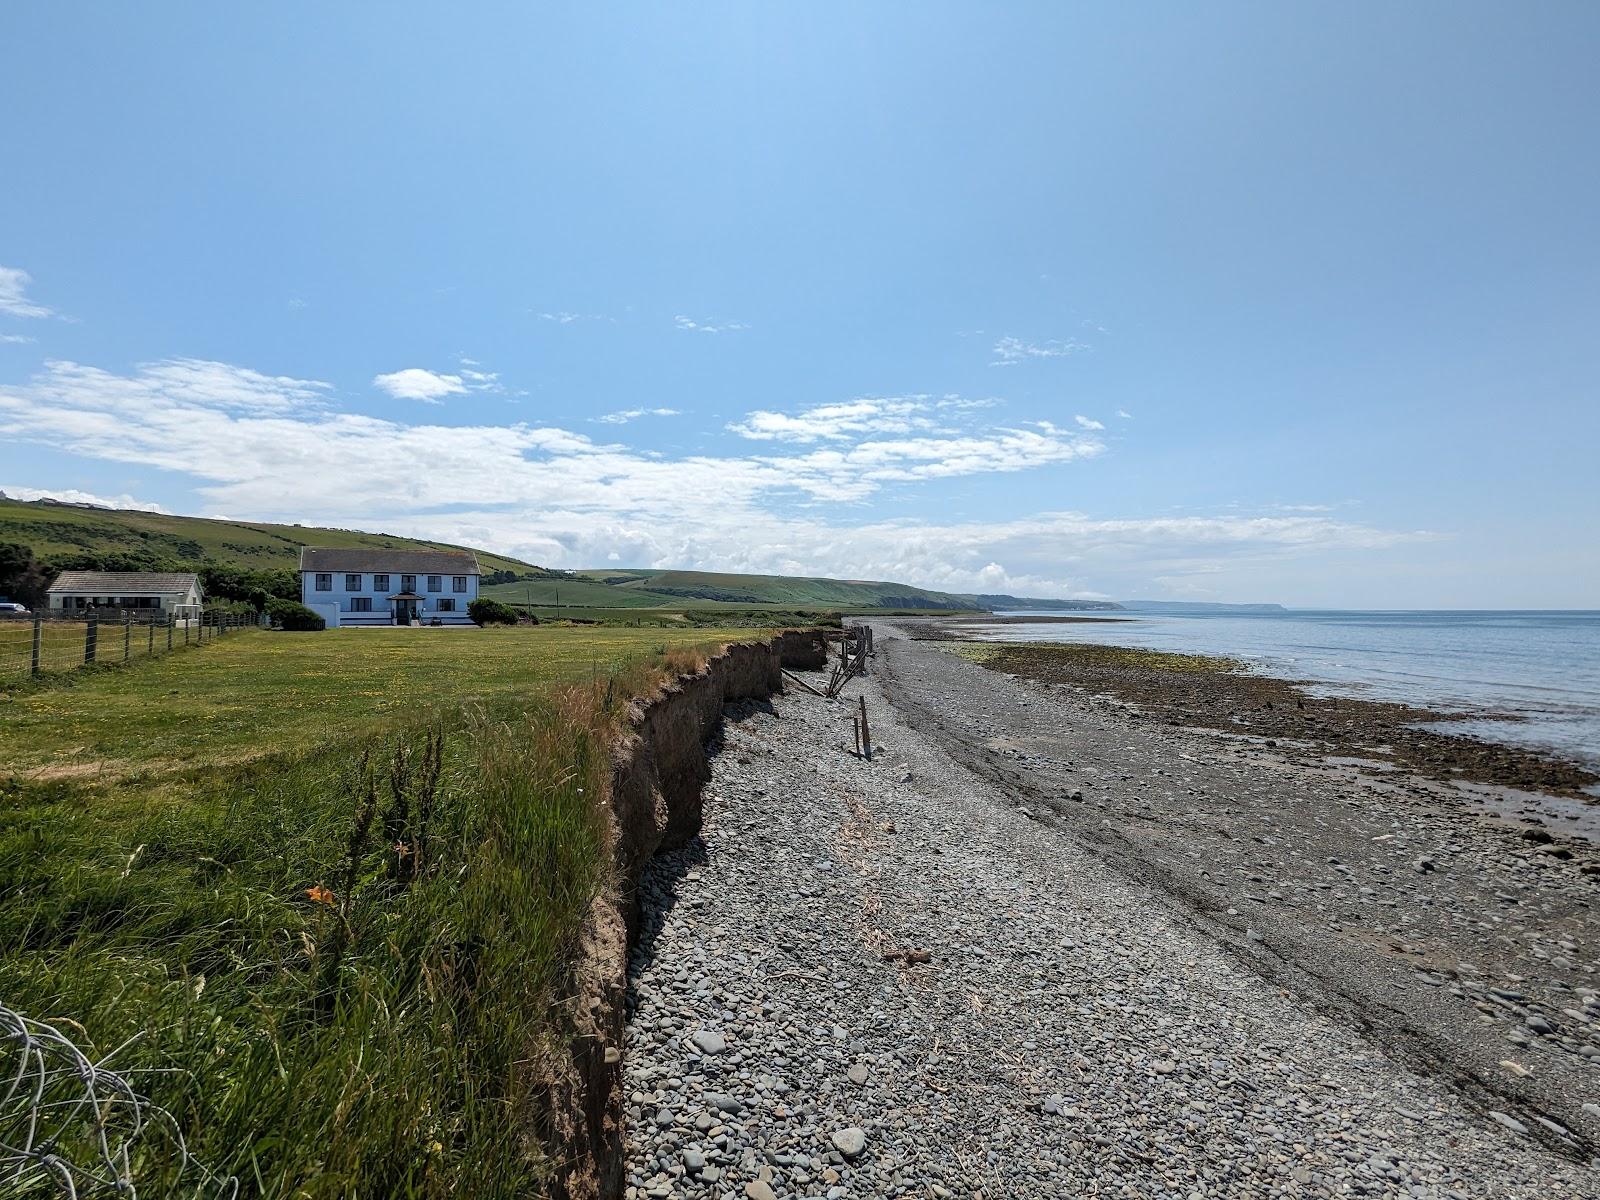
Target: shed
(155,591)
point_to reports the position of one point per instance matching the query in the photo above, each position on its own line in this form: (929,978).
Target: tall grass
(341,964)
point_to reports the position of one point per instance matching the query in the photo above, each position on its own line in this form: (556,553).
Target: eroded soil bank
(658,772)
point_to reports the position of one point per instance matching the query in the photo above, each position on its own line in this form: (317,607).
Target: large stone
(850,1142)
(709,1042)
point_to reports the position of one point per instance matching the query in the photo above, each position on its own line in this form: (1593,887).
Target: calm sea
(1543,666)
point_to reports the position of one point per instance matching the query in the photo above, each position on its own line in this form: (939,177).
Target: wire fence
(72,1126)
(40,644)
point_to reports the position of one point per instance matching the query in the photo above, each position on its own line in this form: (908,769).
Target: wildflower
(320,895)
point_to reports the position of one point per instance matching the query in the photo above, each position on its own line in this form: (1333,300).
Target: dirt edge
(658,770)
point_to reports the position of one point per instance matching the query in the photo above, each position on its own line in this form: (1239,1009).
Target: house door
(405,611)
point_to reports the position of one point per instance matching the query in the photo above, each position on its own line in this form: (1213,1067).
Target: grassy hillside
(61,532)
(713,586)
(577,592)
(323,890)
(64,536)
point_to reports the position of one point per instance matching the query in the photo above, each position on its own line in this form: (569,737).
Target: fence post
(127,635)
(150,649)
(91,638)
(38,629)
(170,616)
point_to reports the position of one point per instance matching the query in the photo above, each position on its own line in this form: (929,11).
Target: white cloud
(1009,351)
(16,339)
(277,448)
(633,414)
(692,325)
(1124,414)
(415,383)
(14,301)
(863,416)
(568,318)
(1088,422)
(15,491)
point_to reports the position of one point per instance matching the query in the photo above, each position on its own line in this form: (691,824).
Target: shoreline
(1226,694)
(1459,941)
(1041,944)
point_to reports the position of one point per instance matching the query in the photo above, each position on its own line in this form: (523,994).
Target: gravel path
(1071,1034)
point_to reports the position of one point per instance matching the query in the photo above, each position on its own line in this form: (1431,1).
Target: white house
(152,592)
(388,587)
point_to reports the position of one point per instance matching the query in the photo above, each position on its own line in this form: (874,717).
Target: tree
(485,611)
(22,579)
(291,614)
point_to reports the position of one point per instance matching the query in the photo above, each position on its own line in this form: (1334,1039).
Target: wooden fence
(40,644)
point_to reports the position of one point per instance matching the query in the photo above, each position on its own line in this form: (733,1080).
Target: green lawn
(332,884)
(257,693)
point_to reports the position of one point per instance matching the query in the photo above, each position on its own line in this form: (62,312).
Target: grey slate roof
(125,583)
(409,562)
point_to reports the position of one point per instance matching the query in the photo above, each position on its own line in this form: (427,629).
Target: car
(15,610)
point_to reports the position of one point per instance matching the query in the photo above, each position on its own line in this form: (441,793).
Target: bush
(485,611)
(293,615)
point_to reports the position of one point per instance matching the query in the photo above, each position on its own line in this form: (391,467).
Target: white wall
(428,606)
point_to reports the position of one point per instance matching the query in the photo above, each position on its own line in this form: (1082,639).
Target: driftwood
(852,660)
(801,682)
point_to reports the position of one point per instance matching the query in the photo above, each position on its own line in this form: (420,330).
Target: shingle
(407,562)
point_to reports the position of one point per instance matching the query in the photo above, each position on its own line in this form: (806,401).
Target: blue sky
(1234,301)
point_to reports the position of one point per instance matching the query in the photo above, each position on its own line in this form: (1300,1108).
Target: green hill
(68,535)
(780,589)
(72,536)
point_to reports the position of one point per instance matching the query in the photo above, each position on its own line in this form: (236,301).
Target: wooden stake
(866,736)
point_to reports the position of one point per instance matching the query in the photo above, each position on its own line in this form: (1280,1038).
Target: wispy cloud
(1088,422)
(1011,351)
(625,415)
(14,301)
(277,447)
(16,339)
(694,326)
(570,318)
(1124,414)
(863,416)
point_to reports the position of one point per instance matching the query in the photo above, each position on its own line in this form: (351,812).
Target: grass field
(330,881)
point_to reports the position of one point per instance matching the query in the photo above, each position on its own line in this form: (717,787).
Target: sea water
(1540,668)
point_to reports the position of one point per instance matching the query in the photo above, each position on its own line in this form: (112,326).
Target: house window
(360,603)
(352,583)
(324,583)
(408,583)
(380,583)
(458,583)
(446,605)
(435,582)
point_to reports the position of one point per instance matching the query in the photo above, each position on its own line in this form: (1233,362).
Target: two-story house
(388,587)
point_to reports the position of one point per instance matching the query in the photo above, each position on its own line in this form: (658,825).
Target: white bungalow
(388,587)
(145,592)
